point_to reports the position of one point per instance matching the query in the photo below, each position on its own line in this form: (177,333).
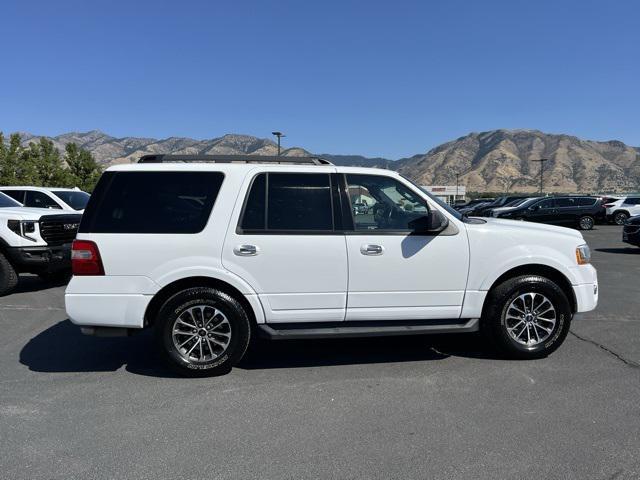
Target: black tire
(8,276)
(238,324)
(586,222)
(620,217)
(494,322)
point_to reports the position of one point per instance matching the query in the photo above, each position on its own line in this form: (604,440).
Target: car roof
(244,167)
(43,189)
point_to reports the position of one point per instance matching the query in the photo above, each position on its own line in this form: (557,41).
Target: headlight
(22,228)
(583,254)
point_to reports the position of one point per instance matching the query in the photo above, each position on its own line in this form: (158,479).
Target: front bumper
(586,290)
(42,259)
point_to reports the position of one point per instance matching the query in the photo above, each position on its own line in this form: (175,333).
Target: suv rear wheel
(620,217)
(202,332)
(586,222)
(527,317)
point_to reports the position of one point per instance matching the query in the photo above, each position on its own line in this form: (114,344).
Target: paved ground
(428,407)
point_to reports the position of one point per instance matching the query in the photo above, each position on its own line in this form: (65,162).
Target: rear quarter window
(151,202)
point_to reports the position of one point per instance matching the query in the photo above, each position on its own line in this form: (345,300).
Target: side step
(291,331)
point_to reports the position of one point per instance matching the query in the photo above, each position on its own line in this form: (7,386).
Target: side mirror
(433,222)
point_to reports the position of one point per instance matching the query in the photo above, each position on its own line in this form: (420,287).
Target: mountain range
(493,161)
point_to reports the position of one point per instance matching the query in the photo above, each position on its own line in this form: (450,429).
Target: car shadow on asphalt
(626,250)
(62,348)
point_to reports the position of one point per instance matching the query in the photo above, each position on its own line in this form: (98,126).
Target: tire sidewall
(620,215)
(238,321)
(591,222)
(523,285)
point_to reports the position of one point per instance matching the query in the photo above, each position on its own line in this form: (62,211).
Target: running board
(291,331)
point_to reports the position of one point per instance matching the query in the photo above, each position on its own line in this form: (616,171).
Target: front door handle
(246,250)
(369,249)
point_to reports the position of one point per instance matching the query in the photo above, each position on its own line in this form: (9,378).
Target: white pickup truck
(213,250)
(33,240)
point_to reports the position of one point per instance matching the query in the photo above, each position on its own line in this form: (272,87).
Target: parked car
(71,199)
(495,212)
(468,210)
(34,240)
(574,211)
(275,250)
(485,210)
(631,231)
(619,210)
(473,203)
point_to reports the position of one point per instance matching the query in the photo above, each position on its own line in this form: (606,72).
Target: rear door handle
(246,250)
(369,249)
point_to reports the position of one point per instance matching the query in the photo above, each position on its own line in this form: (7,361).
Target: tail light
(85,258)
(609,205)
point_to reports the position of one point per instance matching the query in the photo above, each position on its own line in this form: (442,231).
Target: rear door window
(566,202)
(39,200)
(289,202)
(632,201)
(586,201)
(151,202)
(17,195)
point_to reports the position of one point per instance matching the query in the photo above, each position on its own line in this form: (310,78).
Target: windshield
(7,201)
(444,205)
(517,203)
(74,198)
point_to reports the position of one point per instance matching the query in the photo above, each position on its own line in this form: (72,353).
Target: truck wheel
(620,217)
(526,317)
(202,332)
(8,276)
(586,222)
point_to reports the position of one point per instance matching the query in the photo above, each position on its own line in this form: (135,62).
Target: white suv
(34,240)
(211,251)
(620,210)
(71,199)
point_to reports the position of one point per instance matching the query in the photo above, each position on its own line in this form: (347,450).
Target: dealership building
(447,193)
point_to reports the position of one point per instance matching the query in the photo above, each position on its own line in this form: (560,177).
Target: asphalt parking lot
(421,407)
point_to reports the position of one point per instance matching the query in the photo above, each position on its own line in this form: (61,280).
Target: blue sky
(374,78)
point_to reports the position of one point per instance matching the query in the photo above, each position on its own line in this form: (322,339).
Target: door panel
(394,274)
(287,247)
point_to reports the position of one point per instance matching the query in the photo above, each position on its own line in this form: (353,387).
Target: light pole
(457,178)
(541,160)
(278,134)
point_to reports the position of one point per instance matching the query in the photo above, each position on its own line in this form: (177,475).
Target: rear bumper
(41,259)
(107,310)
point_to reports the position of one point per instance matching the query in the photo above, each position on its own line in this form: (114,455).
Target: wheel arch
(253,308)
(546,271)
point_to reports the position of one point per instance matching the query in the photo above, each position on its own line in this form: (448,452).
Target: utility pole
(278,134)
(541,160)
(457,178)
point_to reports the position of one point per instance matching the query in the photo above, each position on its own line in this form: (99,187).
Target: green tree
(84,171)
(9,160)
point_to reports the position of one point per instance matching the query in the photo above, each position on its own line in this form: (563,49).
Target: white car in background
(72,199)
(620,210)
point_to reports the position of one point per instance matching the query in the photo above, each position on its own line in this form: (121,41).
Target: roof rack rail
(232,159)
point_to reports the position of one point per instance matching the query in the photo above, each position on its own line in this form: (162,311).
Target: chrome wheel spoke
(201,333)
(525,328)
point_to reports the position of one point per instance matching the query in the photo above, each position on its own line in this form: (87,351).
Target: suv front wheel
(202,332)
(527,317)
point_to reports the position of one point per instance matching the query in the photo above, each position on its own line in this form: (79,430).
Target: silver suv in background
(620,210)
(71,199)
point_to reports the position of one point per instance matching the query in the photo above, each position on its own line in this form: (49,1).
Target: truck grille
(59,229)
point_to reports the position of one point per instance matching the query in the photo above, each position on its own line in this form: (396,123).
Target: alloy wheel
(530,319)
(201,333)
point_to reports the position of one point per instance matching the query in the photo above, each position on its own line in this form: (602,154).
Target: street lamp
(541,160)
(278,134)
